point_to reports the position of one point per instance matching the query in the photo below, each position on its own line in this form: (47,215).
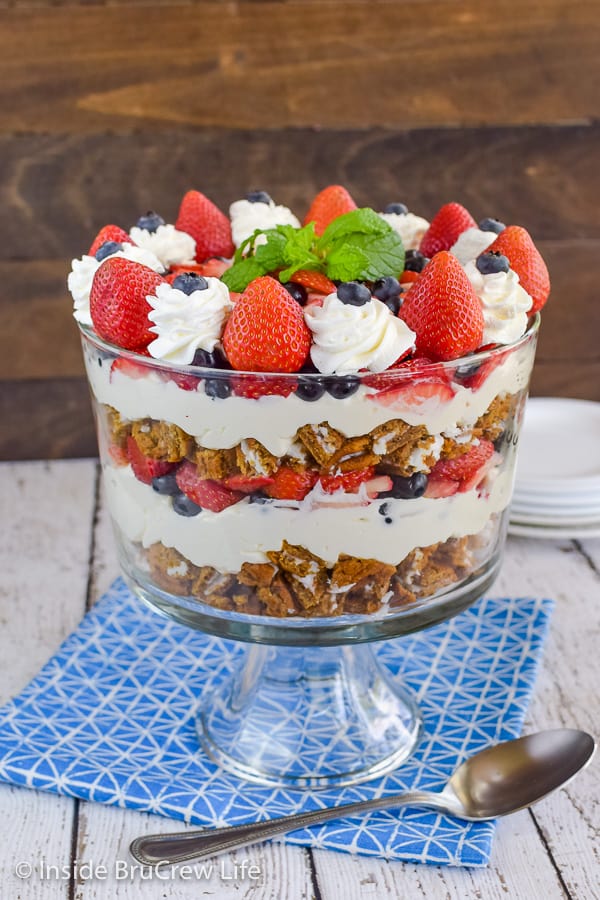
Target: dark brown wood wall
(107,109)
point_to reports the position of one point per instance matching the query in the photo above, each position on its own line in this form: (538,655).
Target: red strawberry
(247,484)
(118,303)
(328,205)
(408,277)
(444,310)
(411,395)
(290,485)
(109,233)
(464,467)
(145,468)
(253,386)
(349,482)
(525,259)
(440,487)
(266,331)
(212,268)
(209,227)
(208,494)
(446,226)
(314,281)
(118,455)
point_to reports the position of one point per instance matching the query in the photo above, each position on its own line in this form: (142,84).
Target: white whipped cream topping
(173,247)
(185,323)
(246,217)
(348,338)
(471,243)
(81,276)
(411,228)
(246,531)
(505,304)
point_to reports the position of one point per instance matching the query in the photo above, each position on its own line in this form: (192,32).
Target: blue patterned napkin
(111,718)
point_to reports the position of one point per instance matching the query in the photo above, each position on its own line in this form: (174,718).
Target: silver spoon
(495,782)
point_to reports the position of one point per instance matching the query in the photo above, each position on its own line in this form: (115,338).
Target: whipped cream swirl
(246,217)
(505,304)
(349,338)
(471,243)
(411,228)
(81,276)
(173,247)
(185,323)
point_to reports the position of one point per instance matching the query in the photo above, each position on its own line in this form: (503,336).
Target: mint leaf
(361,221)
(271,255)
(385,254)
(239,276)
(346,262)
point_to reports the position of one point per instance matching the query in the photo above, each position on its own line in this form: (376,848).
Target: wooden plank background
(107,109)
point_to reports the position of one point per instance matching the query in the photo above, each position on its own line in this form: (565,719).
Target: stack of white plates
(557,488)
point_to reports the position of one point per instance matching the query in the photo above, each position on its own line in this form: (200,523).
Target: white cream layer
(274,420)
(244,532)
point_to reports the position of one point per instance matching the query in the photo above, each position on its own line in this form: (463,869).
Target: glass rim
(432,367)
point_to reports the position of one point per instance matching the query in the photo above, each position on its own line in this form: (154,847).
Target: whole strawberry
(446,226)
(266,331)
(109,233)
(329,203)
(209,227)
(443,310)
(118,303)
(516,244)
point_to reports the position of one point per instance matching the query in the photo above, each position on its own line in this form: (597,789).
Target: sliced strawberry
(212,268)
(314,281)
(185,382)
(408,276)
(247,484)
(129,368)
(253,387)
(329,204)
(109,233)
(484,370)
(290,485)
(378,485)
(210,228)
(349,482)
(144,468)
(118,455)
(440,487)
(205,493)
(463,467)
(430,392)
(446,227)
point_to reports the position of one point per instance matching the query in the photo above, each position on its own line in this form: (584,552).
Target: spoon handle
(185,845)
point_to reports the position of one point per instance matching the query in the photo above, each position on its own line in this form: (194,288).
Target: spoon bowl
(495,782)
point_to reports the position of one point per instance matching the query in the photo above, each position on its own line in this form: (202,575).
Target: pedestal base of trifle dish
(311,706)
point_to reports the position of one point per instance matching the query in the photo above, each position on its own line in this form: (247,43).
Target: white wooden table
(57,558)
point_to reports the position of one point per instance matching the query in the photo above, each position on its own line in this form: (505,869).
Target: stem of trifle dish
(309,717)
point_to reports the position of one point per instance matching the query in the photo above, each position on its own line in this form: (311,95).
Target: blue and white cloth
(110,718)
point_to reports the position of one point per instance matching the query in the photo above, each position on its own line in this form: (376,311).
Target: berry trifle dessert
(312,418)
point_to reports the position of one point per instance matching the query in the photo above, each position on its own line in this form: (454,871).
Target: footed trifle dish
(308,437)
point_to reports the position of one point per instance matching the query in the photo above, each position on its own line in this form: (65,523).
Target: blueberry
(414,261)
(297,291)
(342,386)
(166,484)
(466,371)
(217,387)
(310,389)
(258,197)
(151,221)
(400,209)
(388,520)
(393,304)
(386,287)
(407,488)
(204,358)
(384,509)
(259,499)
(353,293)
(183,506)
(188,282)
(107,249)
(489,224)
(490,263)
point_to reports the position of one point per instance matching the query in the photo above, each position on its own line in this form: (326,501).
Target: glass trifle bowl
(336,511)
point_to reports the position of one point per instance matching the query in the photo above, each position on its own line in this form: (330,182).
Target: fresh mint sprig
(358,246)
